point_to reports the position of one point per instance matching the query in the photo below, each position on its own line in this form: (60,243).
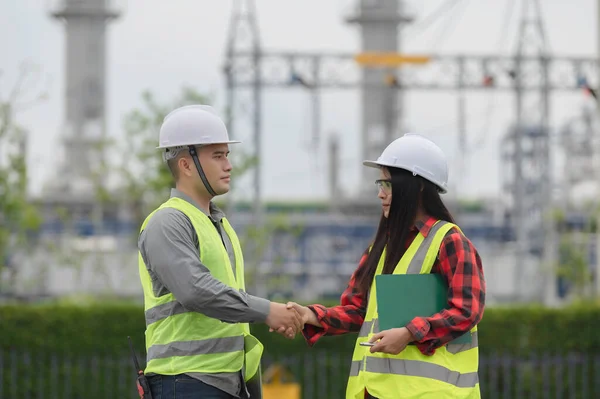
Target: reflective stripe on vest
(179,340)
(200,347)
(452,369)
(416,263)
(163,311)
(415,368)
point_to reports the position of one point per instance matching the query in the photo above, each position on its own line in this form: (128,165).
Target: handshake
(289,319)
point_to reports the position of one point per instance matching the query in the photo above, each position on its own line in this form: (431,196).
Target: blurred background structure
(516,229)
(311,90)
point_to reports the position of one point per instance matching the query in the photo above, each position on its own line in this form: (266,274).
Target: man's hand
(392,341)
(283,320)
(308,316)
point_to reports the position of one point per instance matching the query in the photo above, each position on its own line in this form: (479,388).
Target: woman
(413,173)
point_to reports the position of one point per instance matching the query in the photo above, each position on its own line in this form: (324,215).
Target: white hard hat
(417,154)
(193,125)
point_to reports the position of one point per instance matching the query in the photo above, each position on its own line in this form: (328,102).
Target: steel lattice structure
(531,73)
(279,69)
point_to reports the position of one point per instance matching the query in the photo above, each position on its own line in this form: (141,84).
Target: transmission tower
(531,74)
(244,37)
(578,142)
(526,147)
(256,69)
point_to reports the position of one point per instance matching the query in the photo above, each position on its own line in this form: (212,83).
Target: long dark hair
(409,192)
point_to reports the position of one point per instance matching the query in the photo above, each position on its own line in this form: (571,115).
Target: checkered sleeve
(461,267)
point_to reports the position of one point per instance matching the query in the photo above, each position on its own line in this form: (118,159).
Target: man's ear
(184,166)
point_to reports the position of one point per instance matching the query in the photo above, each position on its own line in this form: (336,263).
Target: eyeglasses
(385,185)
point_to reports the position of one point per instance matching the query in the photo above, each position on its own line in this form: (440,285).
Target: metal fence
(320,373)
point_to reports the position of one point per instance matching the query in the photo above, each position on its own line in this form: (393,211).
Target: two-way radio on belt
(143,385)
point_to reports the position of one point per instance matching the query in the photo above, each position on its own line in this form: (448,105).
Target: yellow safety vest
(181,341)
(449,373)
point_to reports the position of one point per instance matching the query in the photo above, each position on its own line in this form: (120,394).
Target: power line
(430,19)
(451,24)
(508,14)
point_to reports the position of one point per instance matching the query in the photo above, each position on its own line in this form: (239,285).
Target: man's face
(216,166)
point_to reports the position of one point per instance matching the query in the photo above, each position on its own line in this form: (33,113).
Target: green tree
(19,217)
(573,261)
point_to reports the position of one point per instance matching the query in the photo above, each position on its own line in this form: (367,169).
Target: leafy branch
(19,217)
(573,263)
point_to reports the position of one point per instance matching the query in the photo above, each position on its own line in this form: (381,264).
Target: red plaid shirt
(459,263)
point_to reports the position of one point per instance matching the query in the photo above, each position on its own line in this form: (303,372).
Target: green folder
(402,297)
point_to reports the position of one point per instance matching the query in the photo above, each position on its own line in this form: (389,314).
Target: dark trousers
(183,387)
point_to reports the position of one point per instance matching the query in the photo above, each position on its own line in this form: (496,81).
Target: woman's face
(384,184)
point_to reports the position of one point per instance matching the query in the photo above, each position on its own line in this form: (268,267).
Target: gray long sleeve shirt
(169,246)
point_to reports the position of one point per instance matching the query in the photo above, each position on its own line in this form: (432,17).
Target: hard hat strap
(194,155)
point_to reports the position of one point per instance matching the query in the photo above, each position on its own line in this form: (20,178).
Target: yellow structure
(389,59)
(277,384)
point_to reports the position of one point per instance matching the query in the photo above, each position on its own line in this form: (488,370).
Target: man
(191,268)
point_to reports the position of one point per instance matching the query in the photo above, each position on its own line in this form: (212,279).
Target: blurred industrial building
(515,234)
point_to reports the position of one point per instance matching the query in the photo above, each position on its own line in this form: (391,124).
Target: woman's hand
(392,341)
(307,315)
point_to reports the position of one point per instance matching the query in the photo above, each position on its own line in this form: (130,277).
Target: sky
(161,46)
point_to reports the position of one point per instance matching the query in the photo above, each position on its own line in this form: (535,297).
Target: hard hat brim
(377,165)
(186,144)
(373,164)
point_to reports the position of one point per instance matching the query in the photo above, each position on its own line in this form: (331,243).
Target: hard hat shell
(417,154)
(193,125)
